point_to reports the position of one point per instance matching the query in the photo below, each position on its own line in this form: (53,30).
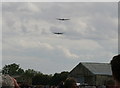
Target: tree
(30,73)
(34,77)
(58,77)
(41,79)
(12,69)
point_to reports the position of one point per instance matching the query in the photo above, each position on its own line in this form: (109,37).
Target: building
(92,73)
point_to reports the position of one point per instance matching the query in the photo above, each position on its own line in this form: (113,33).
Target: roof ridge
(93,63)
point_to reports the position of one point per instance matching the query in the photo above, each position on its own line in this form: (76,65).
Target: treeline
(34,77)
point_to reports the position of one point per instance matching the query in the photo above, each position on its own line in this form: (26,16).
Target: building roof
(98,68)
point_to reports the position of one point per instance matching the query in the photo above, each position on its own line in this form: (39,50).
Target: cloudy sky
(91,34)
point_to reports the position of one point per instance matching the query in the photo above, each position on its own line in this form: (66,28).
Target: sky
(91,34)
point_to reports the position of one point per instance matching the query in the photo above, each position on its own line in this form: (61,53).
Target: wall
(102,79)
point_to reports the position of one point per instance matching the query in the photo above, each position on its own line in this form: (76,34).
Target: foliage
(12,69)
(30,73)
(41,79)
(58,77)
(35,77)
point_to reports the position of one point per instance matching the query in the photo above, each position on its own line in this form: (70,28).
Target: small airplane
(62,19)
(58,33)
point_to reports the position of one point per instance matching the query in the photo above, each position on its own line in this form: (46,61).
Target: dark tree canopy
(58,77)
(12,69)
(41,79)
(34,77)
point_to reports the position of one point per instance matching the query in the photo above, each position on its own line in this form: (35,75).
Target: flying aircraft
(58,33)
(62,19)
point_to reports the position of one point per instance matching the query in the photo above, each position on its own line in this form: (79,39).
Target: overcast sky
(91,34)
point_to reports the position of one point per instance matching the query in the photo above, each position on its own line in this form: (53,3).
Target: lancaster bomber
(62,19)
(58,33)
